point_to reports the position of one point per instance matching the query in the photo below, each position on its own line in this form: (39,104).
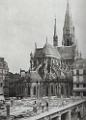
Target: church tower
(55,37)
(68,29)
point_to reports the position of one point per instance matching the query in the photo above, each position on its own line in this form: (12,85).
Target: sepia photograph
(42,60)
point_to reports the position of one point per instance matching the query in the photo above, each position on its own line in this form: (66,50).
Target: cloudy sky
(24,22)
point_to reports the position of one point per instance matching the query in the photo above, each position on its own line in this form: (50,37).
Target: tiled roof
(66,52)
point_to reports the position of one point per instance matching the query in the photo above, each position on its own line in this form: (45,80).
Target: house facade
(3,71)
(79,78)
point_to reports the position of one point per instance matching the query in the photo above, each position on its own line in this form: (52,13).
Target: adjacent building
(79,77)
(3,71)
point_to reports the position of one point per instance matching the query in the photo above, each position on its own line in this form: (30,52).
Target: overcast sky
(24,22)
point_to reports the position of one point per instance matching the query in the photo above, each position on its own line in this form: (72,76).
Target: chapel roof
(47,51)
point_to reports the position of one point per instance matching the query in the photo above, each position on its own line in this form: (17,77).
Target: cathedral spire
(68,6)
(68,29)
(55,37)
(55,28)
(68,16)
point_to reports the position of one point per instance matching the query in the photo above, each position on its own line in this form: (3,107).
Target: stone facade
(3,71)
(54,63)
(51,66)
(79,77)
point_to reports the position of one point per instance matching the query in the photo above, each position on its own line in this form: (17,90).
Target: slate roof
(50,51)
(66,52)
(47,51)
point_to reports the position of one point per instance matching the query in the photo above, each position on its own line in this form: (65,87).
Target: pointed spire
(46,40)
(68,16)
(35,46)
(55,37)
(55,28)
(67,8)
(68,30)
